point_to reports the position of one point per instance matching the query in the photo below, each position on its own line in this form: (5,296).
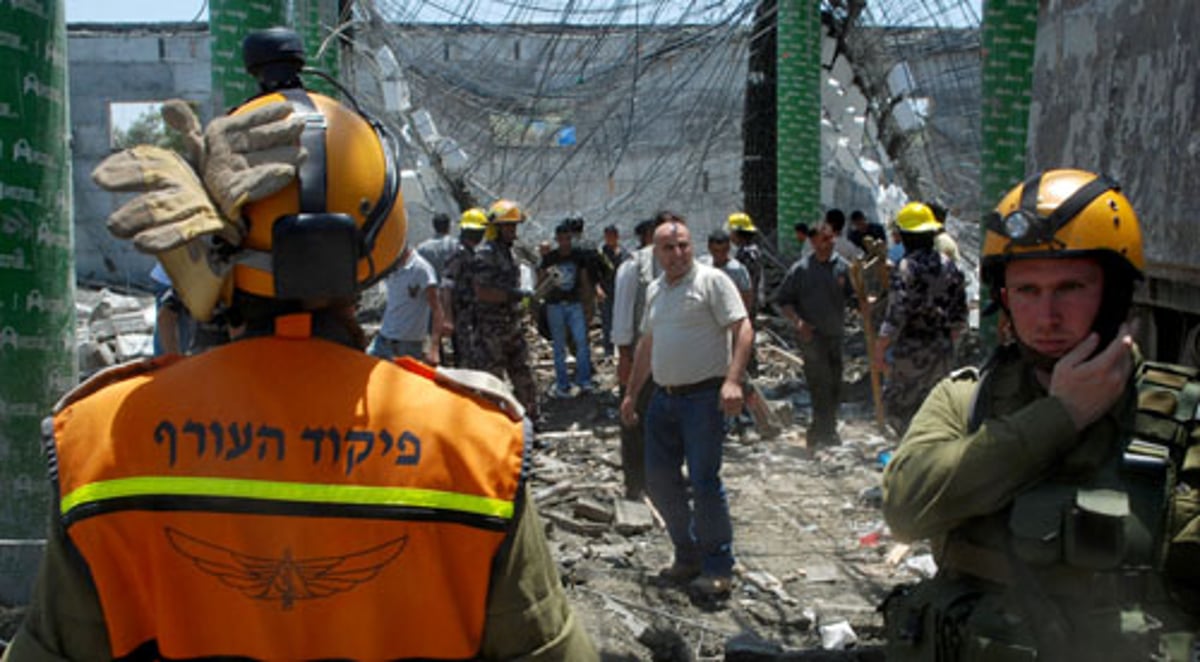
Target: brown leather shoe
(711,586)
(679,573)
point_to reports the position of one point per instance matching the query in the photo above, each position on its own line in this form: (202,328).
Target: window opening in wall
(516,50)
(140,123)
(446,51)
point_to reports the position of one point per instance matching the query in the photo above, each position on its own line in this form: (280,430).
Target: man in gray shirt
(441,246)
(813,297)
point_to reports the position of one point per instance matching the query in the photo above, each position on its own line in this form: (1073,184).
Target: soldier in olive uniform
(926,310)
(458,288)
(1059,487)
(500,346)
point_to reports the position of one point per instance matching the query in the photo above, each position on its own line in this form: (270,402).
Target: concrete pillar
(799,118)
(1009,34)
(37,277)
(231,20)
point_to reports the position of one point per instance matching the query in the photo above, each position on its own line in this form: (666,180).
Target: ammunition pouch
(1167,412)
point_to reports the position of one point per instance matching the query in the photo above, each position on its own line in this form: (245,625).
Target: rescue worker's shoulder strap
(981,399)
(112,375)
(483,386)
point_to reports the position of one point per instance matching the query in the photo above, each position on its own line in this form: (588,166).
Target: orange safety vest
(282,498)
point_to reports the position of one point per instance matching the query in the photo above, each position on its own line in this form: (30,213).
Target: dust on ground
(814,556)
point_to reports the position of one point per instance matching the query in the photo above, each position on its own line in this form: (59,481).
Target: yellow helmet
(341,225)
(1064,213)
(741,221)
(505,211)
(917,217)
(473,219)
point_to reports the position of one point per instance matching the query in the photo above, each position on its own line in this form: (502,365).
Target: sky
(128,11)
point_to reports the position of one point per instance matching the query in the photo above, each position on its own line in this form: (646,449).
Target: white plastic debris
(837,635)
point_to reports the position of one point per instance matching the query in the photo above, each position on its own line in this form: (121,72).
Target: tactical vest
(1108,558)
(287,498)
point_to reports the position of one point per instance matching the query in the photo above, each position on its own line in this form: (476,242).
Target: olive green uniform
(528,617)
(1050,543)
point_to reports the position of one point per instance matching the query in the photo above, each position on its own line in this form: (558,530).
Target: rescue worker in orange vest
(287,496)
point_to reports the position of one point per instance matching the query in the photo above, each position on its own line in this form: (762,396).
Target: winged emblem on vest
(285,578)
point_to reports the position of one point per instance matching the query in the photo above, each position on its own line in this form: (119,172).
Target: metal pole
(37,276)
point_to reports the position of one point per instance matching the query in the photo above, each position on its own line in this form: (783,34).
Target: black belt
(685,389)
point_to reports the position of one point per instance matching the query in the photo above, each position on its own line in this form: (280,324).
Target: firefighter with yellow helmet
(1058,485)
(287,496)
(926,310)
(458,288)
(500,346)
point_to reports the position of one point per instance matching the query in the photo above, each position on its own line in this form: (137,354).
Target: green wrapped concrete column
(799,118)
(37,278)
(231,20)
(315,20)
(1009,35)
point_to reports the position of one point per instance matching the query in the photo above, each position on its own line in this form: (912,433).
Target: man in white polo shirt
(695,342)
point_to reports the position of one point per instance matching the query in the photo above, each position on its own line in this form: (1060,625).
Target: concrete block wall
(127,64)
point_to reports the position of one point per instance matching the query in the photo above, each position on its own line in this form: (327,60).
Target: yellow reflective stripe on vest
(362,495)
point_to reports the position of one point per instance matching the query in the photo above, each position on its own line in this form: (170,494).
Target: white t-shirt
(690,321)
(625,294)
(407,314)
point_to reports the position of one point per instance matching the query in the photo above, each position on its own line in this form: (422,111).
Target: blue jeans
(567,316)
(690,428)
(389,348)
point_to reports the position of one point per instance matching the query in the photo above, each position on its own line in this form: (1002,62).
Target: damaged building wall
(663,131)
(1116,90)
(123,64)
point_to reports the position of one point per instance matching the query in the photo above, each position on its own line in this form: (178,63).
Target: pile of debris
(814,555)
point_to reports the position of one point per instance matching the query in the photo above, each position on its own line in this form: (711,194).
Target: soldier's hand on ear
(251,155)
(1088,387)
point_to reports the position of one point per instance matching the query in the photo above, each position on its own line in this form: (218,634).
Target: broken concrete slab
(632,517)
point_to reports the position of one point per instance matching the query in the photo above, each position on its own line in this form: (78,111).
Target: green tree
(149,129)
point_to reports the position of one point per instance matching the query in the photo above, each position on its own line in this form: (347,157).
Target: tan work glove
(172,207)
(251,156)
(171,217)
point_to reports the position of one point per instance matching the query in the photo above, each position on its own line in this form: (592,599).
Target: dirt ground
(814,557)
(812,550)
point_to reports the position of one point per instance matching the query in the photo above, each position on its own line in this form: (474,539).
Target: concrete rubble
(814,555)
